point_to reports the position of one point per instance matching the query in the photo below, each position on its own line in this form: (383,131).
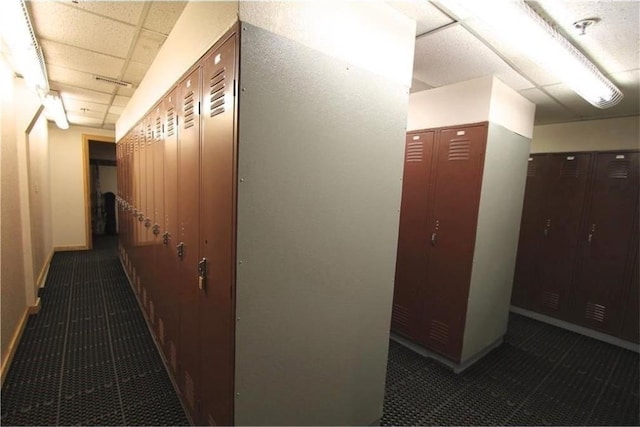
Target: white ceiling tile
(548,110)
(81,59)
(97,115)
(83,120)
(57,22)
(126,91)
(135,72)
(77,105)
(454,55)
(110,126)
(147,46)
(73,92)
(121,101)
(114,109)
(163,15)
(77,78)
(127,11)
(427,16)
(612,43)
(111,118)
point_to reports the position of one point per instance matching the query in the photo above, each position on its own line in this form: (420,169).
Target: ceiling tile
(547,109)
(121,101)
(126,91)
(135,72)
(127,11)
(110,126)
(454,55)
(427,16)
(83,120)
(77,78)
(81,59)
(97,115)
(147,46)
(111,118)
(73,92)
(79,28)
(116,110)
(163,15)
(77,105)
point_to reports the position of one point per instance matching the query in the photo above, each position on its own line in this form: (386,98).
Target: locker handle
(593,230)
(546,232)
(147,222)
(141,217)
(202,273)
(180,250)
(165,237)
(156,229)
(433,238)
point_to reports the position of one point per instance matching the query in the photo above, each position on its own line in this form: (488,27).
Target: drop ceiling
(120,39)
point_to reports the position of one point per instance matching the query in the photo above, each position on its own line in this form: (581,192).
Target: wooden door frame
(86,138)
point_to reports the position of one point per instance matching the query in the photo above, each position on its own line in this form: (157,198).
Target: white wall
(200,25)
(67,168)
(592,135)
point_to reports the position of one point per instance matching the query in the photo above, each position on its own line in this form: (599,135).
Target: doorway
(101,188)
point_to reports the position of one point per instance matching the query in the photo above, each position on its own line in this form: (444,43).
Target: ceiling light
(516,23)
(54,109)
(18,35)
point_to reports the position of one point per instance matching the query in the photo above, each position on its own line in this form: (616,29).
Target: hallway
(88,359)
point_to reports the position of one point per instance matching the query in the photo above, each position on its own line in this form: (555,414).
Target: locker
(562,216)
(456,195)
(631,325)
(411,269)
(532,229)
(157,212)
(605,242)
(188,233)
(217,235)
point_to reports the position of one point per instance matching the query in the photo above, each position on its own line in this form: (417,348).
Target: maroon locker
(188,103)
(605,242)
(631,323)
(137,209)
(411,265)
(217,234)
(157,212)
(169,324)
(456,194)
(562,215)
(532,229)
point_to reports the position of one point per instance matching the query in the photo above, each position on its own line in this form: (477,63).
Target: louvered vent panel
(189,116)
(173,357)
(144,297)
(171,122)
(415,151)
(569,169)
(158,127)
(551,300)
(189,389)
(619,169)
(152,312)
(400,315)
(217,87)
(149,133)
(595,312)
(531,168)
(459,149)
(439,332)
(161,330)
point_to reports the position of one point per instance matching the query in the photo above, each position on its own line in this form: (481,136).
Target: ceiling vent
(113,81)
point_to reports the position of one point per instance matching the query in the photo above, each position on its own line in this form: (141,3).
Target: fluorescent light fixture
(515,22)
(54,109)
(19,37)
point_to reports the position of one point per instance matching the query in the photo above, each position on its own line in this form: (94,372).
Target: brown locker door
(169,312)
(411,265)
(605,242)
(217,234)
(135,224)
(631,323)
(458,179)
(188,105)
(531,231)
(562,216)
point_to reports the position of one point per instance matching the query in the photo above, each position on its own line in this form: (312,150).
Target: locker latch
(156,229)
(180,250)
(547,227)
(147,222)
(165,237)
(202,273)
(593,230)
(141,217)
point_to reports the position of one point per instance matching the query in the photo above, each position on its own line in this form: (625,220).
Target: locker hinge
(202,273)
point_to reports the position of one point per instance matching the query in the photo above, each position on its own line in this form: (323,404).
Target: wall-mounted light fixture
(516,23)
(27,58)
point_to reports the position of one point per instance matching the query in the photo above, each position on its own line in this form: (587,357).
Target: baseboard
(600,336)
(71,248)
(42,277)
(35,309)
(13,345)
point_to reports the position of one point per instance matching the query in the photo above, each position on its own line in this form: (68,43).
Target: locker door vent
(459,149)
(216,100)
(415,151)
(189,116)
(551,300)
(569,169)
(531,168)
(158,128)
(619,169)
(173,357)
(171,122)
(400,316)
(439,332)
(161,330)
(149,133)
(595,312)
(189,390)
